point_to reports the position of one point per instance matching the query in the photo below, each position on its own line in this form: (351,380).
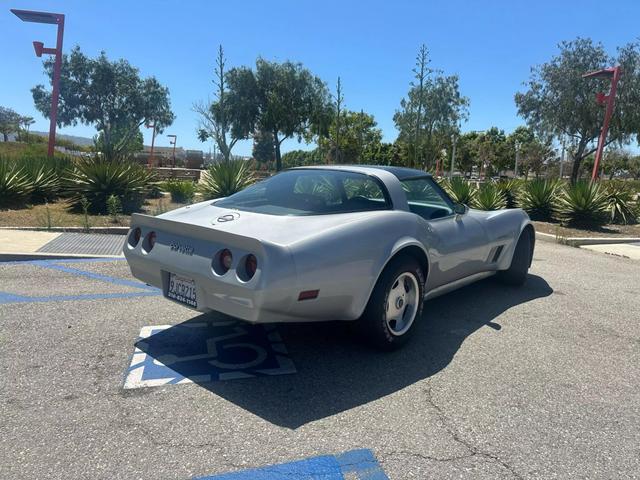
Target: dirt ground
(58,215)
(605,231)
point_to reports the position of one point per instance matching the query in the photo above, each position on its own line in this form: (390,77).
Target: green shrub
(226,178)
(584,204)
(511,189)
(490,197)
(114,208)
(539,198)
(97,180)
(620,202)
(15,185)
(155,191)
(460,190)
(182,191)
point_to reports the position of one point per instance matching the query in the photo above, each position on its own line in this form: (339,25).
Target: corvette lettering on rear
(181,248)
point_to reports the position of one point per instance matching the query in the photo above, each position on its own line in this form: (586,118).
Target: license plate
(182,289)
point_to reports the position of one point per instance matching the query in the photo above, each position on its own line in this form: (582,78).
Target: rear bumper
(253,305)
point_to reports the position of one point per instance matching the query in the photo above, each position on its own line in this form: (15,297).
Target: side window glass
(318,186)
(425,199)
(362,187)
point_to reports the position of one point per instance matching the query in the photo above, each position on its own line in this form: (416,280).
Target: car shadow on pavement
(335,372)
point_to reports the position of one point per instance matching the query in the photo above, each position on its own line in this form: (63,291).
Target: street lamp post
(54,19)
(173,142)
(614,74)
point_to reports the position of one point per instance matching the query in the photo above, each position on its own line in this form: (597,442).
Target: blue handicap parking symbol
(352,465)
(204,351)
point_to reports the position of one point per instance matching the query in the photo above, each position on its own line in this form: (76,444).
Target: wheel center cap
(399,302)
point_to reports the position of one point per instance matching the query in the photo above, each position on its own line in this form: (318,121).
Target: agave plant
(460,190)
(584,204)
(226,178)
(510,188)
(97,180)
(620,201)
(539,198)
(182,191)
(490,197)
(45,174)
(15,185)
(44,178)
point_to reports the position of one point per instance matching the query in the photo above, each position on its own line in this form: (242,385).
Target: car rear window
(311,192)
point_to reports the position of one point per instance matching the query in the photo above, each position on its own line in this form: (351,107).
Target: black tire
(373,325)
(516,274)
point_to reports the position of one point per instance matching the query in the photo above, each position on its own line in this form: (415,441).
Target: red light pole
(614,74)
(173,142)
(153,139)
(54,19)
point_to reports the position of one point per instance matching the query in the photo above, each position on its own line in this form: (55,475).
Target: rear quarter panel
(344,263)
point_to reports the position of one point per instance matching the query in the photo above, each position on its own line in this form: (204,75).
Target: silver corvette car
(364,244)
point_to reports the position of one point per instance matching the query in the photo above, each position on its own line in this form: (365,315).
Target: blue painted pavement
(352,465)
(60,265)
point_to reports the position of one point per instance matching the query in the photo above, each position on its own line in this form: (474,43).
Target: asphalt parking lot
(100,377)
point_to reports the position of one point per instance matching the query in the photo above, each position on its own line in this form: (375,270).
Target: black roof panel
(402,173)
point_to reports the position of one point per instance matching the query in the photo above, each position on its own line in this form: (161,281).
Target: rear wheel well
(415,252)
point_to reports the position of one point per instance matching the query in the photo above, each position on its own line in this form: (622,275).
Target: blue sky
(371,45)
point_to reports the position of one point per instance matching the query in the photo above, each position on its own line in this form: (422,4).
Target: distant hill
(81,141)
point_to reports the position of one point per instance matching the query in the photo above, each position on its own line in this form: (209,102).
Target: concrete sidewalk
(28,245)
(627,250)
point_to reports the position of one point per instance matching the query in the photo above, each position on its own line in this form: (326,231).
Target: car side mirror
(460,208)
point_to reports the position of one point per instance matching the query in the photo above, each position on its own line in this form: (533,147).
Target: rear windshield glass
(310,192)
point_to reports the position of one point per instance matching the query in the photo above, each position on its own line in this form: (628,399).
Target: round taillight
(251,265)
(225,260)
(149,242)
(134,237)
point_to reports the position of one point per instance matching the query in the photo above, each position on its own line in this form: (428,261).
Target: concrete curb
(104,230)
(25,257)
(578,241)
(546,237)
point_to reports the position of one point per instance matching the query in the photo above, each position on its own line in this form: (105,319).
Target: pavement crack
(473,449)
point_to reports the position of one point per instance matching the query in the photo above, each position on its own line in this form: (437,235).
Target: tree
(337,124)
(25,123)
(109,95)
(359,138)
(9,122)
(127,143)
(467,152)
(221,120)
(263,150)
(615,162)
(558,101)
(421,71)
(284,99)
(492,151)
(299,158)
(430,114)
(633,167)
